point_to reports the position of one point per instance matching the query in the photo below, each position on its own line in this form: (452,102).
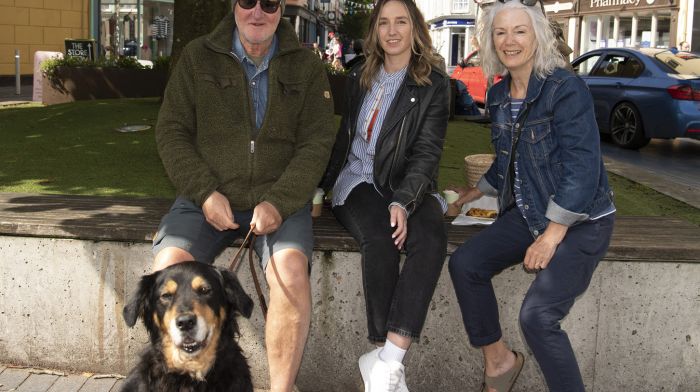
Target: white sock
(391,352)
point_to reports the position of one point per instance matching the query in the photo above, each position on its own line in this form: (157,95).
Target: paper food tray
(485,202)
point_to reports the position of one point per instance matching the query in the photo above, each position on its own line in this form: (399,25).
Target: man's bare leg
(288,316)
(170,256)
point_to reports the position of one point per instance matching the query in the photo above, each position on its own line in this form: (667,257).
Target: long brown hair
(423,57)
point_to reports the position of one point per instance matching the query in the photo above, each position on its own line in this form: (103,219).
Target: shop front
(628,23)
(452,38)
(138,28)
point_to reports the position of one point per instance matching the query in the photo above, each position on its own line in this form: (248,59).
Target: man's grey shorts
(185,227)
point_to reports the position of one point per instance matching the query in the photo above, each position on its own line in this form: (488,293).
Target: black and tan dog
(189,311)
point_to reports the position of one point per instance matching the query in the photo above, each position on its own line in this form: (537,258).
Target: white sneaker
(381,376)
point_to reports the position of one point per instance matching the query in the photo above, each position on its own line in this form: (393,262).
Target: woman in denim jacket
(555,206)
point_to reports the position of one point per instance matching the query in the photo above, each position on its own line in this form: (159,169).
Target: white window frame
(460,6)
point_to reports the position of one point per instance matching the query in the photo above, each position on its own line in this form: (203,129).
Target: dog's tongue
(188,340)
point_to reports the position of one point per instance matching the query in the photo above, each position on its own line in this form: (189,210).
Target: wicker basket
(476,166)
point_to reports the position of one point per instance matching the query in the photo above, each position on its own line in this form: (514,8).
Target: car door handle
(618,85)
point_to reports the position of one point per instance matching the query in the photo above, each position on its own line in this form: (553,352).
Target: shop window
(136,28)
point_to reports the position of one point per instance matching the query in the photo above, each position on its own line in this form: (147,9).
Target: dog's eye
(203,290)
(166,296)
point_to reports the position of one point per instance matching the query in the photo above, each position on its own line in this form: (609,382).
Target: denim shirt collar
(240,52)
(534,89)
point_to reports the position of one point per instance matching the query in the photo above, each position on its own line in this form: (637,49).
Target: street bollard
(18,90)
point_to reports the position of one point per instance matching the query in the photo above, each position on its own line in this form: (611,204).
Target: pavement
(9,97)
(26,379)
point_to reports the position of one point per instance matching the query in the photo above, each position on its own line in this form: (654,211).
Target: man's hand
(266,219)
(397,216)
(217,211)
(540,253)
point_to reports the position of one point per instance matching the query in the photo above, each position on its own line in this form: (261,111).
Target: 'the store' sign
(80,48)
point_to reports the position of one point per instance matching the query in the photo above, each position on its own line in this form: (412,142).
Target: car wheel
(626,128)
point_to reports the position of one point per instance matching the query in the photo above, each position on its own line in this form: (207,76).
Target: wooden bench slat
(136,220)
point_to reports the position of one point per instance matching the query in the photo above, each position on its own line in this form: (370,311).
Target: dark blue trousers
(548,299)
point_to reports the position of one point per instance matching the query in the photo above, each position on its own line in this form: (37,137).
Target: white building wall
(685,22)
(453,42)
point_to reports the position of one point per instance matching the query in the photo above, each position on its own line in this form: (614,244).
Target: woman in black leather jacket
(383,171)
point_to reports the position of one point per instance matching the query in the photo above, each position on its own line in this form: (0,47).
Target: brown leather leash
(250,240)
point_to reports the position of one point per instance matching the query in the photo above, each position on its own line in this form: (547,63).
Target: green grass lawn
(75,149)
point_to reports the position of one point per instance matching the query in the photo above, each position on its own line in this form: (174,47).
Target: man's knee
(288,270)
(170,256)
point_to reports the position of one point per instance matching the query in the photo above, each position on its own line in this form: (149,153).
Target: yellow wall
(33,25)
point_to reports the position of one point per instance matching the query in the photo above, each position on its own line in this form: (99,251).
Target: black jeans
(549,298)
(396,299)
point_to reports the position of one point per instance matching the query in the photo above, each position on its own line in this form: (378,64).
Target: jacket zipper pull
(252,146)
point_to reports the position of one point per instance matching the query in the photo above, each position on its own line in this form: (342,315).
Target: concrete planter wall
(635,329)
(82,83)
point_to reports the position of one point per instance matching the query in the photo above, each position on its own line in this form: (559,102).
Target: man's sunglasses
(268,6)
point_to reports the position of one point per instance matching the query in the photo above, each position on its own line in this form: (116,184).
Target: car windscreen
(680,63)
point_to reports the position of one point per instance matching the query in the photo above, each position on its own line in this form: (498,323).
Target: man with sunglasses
(244,133)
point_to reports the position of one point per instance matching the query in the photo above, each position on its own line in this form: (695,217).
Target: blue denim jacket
(559,158)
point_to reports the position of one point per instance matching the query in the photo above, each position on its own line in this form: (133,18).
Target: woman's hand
(466,194)
(540,253)
(397,216)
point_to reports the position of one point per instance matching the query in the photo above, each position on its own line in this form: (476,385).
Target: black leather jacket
(410,143)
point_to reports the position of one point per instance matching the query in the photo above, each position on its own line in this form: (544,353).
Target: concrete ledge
(635,329)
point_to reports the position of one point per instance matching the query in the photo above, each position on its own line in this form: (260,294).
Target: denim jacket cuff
(486,188)
(558,214)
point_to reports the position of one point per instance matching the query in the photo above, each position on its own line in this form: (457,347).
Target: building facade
(138,28)
(313,19)
(587,24)
(34,25)
(590,24)
(452,26)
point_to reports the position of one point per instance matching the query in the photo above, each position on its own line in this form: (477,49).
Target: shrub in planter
(337,79)
(72,79)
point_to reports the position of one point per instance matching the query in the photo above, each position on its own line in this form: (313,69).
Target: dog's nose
(186,322)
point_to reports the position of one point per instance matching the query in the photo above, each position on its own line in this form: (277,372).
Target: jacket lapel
(404,100)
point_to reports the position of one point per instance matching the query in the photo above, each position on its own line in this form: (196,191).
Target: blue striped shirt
(359,167)
(257,76)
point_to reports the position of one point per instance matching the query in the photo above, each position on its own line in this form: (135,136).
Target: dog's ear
(235,293)
(139,300)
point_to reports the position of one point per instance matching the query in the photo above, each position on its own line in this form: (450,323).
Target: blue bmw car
(643,94)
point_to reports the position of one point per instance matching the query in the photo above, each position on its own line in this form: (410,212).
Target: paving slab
(117,386)
(11,378)
(70,383)
(38,383)
(98,385)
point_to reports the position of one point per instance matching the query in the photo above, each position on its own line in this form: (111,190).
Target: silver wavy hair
(547,57)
